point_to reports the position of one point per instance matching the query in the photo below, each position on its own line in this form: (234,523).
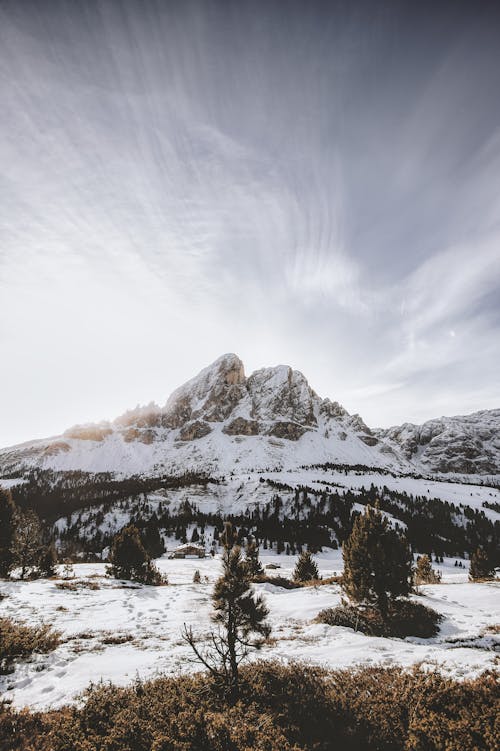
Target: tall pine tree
(377,561)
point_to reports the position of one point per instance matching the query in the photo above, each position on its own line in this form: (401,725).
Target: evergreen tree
(196,577)
(48,560)
(252,560)
(7,529)
(152,539)
(424,573)
(377,561)
(26,543)
(195,537)
(306,568)
(480,566)
(240,617)
(130,560)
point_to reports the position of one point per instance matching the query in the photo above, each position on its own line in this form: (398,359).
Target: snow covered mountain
(219,421)
(222,421)
(467,444)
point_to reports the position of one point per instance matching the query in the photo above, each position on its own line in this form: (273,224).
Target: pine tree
(306,568)
(252,560)
(377,561)
(195,537)
(48,560)
(424,573)
(196,577)
(240,617)
(26,543)
(130,560)
(152,539)
(7,529)
(480,566)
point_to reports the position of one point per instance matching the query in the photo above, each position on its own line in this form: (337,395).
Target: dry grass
(74,586)
(281,708)
(20,641)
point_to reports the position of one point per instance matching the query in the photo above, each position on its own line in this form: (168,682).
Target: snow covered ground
(100,613)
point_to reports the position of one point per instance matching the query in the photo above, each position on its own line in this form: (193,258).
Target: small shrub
(117,639)
(404,618)
(74,586)
(196,577)
(18,640)
(410,618)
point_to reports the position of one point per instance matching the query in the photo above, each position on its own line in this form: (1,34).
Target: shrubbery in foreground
(18,640)
(292,708)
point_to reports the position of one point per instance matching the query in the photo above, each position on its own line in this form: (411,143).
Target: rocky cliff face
(222,418)
(467,444)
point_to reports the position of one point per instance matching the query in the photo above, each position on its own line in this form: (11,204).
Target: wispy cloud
(184,179)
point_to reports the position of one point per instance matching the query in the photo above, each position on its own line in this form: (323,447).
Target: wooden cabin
(188,550)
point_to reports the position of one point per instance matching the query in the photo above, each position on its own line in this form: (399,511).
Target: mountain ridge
(222,418)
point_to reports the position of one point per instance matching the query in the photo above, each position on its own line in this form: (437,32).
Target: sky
(308,183)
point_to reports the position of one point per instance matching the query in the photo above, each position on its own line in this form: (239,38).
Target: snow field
(117,631)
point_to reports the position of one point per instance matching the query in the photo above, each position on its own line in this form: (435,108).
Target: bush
(281,708)
(404,618)
(18,640)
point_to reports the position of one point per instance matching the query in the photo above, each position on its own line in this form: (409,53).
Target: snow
(151,618)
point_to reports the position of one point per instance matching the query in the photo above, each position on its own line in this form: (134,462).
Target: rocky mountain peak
(211,395)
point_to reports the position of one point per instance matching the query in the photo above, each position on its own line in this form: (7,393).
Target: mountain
(467,444)
(218,420)
(223,421)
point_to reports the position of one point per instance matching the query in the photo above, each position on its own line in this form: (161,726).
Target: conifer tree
(480,566)
(195,536)
(26,543)
(152,539)
(377,561)
(130,560)
(239,615)
(424,573)
(252,560)
(306,568)
(48,560)
(7,529)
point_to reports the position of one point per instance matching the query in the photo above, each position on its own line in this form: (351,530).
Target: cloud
(185,179)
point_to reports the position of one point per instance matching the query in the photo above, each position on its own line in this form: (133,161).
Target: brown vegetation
(293,708)
(18,640)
